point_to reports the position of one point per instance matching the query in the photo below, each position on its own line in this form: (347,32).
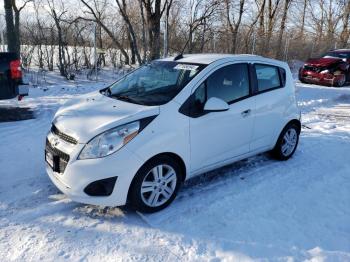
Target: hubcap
(158,185)
(289,141)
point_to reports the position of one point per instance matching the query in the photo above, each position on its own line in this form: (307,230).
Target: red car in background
(331,69)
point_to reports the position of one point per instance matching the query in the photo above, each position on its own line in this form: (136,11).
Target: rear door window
(268,77)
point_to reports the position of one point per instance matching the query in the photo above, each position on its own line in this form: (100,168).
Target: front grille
(312,68)
(60,159)
(63,136)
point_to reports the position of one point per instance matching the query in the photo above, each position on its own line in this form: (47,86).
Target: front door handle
(246,113)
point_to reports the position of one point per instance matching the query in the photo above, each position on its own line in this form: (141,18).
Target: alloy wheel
(289,142)
(158,185)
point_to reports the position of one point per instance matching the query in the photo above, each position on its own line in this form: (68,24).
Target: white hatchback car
(167,121)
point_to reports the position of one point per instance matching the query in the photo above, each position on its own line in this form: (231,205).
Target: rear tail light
(16,70)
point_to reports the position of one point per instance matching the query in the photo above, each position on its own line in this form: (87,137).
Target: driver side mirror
(215,104)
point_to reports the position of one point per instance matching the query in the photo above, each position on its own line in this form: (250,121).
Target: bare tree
(143,30)
(10,28)
(345,32)
(154,12)
(272,8)
(17,12)
(57,13)
(282,28)
(96,18)
(132,36)
(130,31)
(302,26)
(234,22)
(200,12)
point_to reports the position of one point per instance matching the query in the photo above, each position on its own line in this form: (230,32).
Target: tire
(281,150)
(340,82)
(158,192)
(302,80)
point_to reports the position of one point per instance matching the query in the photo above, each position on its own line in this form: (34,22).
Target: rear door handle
(246,112)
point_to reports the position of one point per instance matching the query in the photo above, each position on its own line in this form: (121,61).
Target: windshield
(341,55)
(155,83)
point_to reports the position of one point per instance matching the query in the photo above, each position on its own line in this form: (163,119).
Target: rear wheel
(287,142)
(155,185)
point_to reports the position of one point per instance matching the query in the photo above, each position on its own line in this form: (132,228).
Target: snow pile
(254,209)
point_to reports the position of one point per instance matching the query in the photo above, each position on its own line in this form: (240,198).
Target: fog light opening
(102,187)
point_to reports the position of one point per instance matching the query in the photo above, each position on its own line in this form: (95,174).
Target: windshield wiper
(125,98)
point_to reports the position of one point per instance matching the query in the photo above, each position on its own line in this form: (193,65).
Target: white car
(167,121)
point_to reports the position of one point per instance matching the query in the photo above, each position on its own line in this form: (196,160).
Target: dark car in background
(331,69)
(11,84)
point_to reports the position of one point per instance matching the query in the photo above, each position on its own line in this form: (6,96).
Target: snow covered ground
(256,209)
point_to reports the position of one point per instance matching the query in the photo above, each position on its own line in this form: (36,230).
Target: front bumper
(78,174)
(318,78)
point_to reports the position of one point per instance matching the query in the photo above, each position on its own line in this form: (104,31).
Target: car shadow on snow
(10,113)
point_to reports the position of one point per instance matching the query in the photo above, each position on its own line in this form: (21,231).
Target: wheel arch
(296,122)
(174,156)
(293,121)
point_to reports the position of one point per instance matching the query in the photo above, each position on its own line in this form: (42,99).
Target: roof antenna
(179,56)
(182,51)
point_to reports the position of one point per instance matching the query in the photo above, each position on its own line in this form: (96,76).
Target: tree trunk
(10,28)
(17,31)
(132,49)
(261,31)
(131,35)
(282,28)
(234,26)
(302,27)
(153,22)
(144,42)
(109,32)
(154,39)
(272,8)
(190,40)
(61,53)
(345,33)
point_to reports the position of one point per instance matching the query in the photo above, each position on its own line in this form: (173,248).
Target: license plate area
(49,159)
(55,158)
(58,165)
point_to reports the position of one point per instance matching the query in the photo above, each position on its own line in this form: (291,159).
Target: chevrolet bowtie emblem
(54,141)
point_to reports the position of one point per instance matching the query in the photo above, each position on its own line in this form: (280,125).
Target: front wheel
(340,81)
(155,185)
(287,142)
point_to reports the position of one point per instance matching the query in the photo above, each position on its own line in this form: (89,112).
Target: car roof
(340,50)
(210,58)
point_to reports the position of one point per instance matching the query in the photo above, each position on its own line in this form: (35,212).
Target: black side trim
(63,136)
(253,79)
(146,121)
(283,76)
(103,187)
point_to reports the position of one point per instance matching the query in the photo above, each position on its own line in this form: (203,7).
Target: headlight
(324,71)
(110,141)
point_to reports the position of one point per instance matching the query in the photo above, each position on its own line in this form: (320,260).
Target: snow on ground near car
(258,208)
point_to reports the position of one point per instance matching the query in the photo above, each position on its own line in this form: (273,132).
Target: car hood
(322,62)
(88,115)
